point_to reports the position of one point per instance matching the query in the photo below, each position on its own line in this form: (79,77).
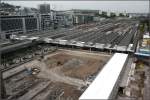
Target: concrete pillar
(38,23)
(90,49)
(76,20)
(83,19)
(2,86)
(57,46)
(24,25)
(3,35)
(1,91)
(110,51)
(0,28)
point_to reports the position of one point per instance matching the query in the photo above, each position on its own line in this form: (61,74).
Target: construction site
(66,64)
(73,55)
(62,74)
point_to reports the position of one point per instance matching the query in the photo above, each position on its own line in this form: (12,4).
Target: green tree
(121,15)
(104,14)
(112,14)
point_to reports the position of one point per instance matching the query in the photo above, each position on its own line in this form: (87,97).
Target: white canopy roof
(103,84)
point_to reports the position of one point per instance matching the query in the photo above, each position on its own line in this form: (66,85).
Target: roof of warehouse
(103,84)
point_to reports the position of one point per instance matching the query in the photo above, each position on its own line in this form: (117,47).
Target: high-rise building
(44,8)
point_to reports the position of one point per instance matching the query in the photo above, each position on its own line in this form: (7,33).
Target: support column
(0,28)
(83,19)
(39,22)
(110,51)
(2,86)
(38,27)
(90,49)
(24,25)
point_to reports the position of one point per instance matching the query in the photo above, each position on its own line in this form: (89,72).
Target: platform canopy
(102,87)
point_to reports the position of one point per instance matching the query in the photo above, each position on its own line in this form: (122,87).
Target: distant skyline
(114,6)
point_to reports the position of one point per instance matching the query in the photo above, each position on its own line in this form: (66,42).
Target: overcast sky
(117,6)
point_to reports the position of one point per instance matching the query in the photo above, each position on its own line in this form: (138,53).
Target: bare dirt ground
(76,64)
(55,75)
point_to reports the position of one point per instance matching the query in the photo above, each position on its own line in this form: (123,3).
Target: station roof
(101,88)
